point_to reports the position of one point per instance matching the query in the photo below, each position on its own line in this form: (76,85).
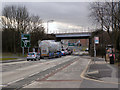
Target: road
(64,72)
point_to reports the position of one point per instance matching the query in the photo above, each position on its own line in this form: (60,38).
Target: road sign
(96,39)
(71,44)
(25,40)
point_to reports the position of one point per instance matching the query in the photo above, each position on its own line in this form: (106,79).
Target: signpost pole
(28,49)
(23,50)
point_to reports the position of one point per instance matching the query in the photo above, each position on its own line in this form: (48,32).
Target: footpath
(101,70)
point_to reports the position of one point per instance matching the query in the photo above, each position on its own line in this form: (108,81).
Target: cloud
(72,13)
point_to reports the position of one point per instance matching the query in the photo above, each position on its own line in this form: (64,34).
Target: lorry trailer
(50,48)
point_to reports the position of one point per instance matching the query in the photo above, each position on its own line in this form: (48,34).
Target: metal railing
(72,31)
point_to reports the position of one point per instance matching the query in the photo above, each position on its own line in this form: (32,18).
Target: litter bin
(111,59)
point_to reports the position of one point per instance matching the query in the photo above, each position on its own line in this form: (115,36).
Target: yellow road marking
(83,76)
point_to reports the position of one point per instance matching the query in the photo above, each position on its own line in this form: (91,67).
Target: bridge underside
(74,36)
(60,38)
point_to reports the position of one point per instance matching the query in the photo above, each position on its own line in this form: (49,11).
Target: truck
(49,48)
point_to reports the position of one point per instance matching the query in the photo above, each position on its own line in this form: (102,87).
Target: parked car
(33,56)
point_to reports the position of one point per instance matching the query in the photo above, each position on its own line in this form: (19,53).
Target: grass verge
(13,55)
(7,58)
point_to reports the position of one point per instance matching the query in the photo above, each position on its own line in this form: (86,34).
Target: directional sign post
(71,44)
(25,41)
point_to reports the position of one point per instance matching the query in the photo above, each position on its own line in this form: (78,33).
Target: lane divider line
(15,81)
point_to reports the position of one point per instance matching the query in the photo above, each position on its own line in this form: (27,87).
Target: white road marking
(93,72)
(33,74)
(15,81)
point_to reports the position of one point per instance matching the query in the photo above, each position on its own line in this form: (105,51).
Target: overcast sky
(66,15)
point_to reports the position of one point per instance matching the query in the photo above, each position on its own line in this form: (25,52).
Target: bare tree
(35,22)
(36,30)
(107,15)
(16,20)
(17,17)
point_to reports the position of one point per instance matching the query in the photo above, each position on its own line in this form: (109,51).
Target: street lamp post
(102,32)
(119,14)
(47,24)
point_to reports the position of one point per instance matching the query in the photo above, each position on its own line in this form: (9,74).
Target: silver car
(33,56)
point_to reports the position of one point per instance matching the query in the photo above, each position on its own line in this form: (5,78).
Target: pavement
(102,71)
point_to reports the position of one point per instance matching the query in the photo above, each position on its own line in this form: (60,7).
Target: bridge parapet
(73,33)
